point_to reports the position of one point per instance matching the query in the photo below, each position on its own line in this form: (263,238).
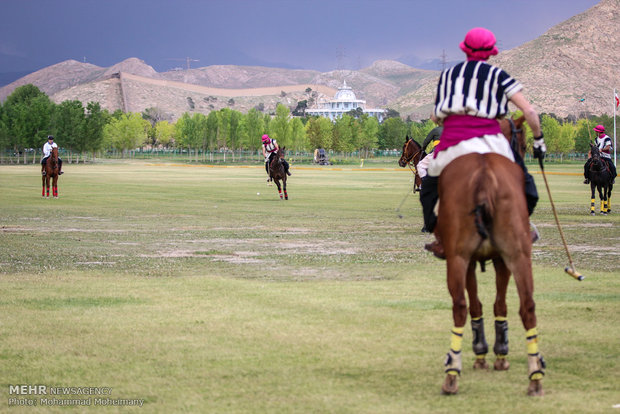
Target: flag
(617,99)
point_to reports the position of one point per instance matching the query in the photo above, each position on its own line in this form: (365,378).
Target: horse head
(513,131)
(411,152)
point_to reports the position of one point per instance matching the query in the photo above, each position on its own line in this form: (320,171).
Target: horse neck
(53,159)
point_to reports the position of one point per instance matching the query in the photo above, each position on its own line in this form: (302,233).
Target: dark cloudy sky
(310,34)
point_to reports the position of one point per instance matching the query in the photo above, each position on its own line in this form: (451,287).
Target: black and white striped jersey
(474,88)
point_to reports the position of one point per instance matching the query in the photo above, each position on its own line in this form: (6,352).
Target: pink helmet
(265,138)
(479,44)
(599,128)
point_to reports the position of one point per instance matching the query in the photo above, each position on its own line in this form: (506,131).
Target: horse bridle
(410,160)
(513,136)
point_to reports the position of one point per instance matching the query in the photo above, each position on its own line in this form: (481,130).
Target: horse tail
(479,219)
(485,181)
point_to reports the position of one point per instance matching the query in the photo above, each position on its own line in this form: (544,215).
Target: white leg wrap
(453,363)
(536,366)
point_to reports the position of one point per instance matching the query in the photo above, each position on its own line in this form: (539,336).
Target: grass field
(183,287)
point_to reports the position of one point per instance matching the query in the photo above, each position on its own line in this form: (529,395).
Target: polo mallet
(401,204)
(568,269)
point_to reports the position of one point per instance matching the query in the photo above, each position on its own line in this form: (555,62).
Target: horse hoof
(592,213)
(481,363)
(501,364)
(450,385)
(535,389)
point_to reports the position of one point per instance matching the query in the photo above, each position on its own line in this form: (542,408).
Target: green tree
(566,139)
(280,126)
(26,117)
(224,116)
(254,126)
(583,136)
(368,137)
(68,125)
(94,122)
(392,133)
(234,139)
(126,133)
(164,133)
(191,131)
(213,130)
(342,134)
(319,132)
(551,130)
(298,135)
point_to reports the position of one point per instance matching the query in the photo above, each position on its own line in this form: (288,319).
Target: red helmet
(599,128)
(265,138)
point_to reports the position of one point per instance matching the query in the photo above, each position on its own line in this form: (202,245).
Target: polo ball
(257,193)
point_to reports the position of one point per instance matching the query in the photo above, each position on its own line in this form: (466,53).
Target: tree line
(28,116)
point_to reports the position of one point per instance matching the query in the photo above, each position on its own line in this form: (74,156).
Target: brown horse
(411,155)
(600,180)
(482,216)
(277,171)
(51,173)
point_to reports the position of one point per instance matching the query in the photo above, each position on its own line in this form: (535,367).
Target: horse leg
(601,196)
(502,277)
(479,343)
(43,186)
(55,186)
(277,181)
(284,187)
(592,199)
(457,271)
(522,270)
(611,186)
(47,185)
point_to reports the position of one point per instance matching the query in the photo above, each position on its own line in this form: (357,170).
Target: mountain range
(569,70)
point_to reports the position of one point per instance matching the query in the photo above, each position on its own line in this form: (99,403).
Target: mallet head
(571,271)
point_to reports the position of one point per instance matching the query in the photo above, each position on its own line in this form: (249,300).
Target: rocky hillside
(575,59)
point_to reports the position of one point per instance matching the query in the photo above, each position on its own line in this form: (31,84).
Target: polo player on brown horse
(485,197)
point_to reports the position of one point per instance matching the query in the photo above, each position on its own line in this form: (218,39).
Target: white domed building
(343,102)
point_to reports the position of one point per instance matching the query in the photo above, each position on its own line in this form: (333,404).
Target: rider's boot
(586,181)
(60,171)
(428,198)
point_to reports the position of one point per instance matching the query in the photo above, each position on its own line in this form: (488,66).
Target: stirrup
(43,173)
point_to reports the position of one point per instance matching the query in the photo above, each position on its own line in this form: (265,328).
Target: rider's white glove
(539,147)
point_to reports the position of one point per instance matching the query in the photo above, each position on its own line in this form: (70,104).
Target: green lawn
(182,286)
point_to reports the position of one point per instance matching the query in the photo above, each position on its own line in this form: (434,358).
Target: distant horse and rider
(278,171)
(412,154)
(599,170)
(50,173)
(600,179)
